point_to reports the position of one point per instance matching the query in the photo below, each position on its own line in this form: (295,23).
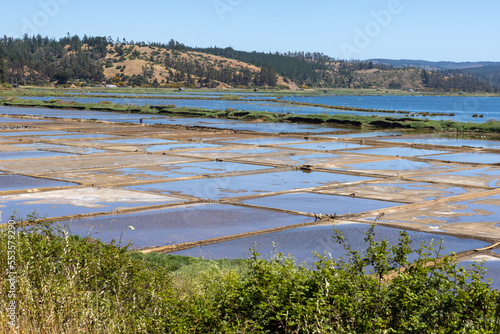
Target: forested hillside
(90,61)
(483,71)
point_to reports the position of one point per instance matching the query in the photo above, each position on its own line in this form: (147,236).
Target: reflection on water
(181,224)
(19,182)
(301,242)
(217,188)
(318,203)
(474,157)
(448,142)
(399,151)
(32,155)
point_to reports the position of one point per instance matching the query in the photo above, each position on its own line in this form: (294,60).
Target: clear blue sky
(457,30)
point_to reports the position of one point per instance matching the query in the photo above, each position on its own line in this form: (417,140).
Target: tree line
(36,60)
(41,60)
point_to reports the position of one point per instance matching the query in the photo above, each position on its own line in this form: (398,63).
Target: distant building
(111,86)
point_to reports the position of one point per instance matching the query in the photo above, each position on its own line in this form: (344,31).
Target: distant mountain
(486,71)
(434,65)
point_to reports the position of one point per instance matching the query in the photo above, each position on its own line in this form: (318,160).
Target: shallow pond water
(70,202)
(62,148)
(447,142)
(33,133)
(486,177)
(217,188)
(20,182)
(154,119)
(190,169)
(482,210)
(80,136)
(493,270)
(267,141)
(479,210)
(181,224)
(235,152)
(320,203)
(403,191)
(399,151)
(472,157)
(180,146)
(31,155)
(19,120)
(135,141)
(301,242)
(395,167)
(325,146)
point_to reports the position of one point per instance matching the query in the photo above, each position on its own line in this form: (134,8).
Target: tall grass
(68,284)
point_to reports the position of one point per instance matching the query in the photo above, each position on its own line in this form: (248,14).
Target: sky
(437,30)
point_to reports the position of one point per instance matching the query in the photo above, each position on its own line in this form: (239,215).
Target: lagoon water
(462,106)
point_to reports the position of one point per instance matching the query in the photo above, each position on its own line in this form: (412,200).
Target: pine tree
(3,74)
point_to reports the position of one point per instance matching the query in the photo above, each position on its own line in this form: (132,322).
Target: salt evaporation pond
(395,167)
(61,148)
(471,157)
(325,146)
(32,155)
(180,146)
(266,141)
(154,119)
(399,151)
(181,224)
(318,203)
(485,177)
(447,142)
(21,182)
(20,120)
(32,133)
(189,169)
(235,186)
(491,264)
(69,202)
(301,242)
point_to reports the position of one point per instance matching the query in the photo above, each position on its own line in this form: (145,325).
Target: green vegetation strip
(68,284)
(357,121)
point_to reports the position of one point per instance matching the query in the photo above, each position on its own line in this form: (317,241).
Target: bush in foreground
(67,284)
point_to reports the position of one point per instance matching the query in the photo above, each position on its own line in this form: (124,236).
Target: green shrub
(69,284)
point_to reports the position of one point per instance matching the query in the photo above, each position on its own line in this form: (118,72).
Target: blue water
(318,203)
(447,141)
(472,157)
(462,106)
(301,242)
(155,119)
(235,186)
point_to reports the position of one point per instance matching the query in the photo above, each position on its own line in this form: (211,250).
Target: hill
(485,71)
(93,61)
(433,65)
